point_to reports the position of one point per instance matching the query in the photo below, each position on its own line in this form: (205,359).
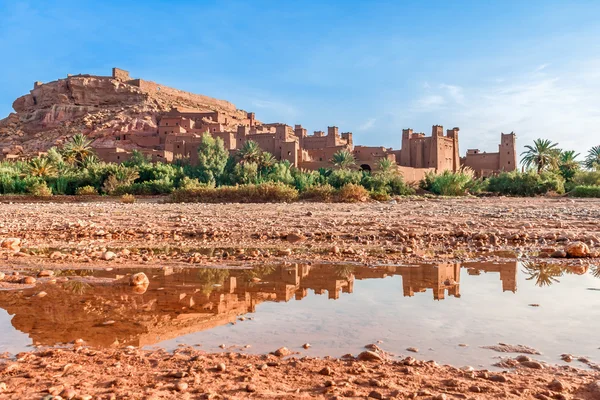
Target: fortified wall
(487,164)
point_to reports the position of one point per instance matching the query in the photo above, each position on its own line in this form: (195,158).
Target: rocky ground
(83,373)
(45,236)
(409,231)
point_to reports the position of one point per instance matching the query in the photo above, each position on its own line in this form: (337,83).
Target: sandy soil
(109,234)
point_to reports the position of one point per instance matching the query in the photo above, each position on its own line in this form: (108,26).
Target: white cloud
(368,124)
(562,107)
(277,108)
(541,67)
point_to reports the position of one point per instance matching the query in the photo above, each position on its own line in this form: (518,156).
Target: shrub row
(269,193)
(586,191)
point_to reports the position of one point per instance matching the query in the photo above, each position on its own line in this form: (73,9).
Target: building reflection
(105,311)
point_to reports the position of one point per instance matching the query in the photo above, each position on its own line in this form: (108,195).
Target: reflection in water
(545,274)
(183,301)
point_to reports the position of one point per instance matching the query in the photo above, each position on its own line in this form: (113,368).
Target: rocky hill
(101,107)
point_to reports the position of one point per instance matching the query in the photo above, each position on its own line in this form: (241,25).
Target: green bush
(450,183)
(86,191)
(586,191)
(340,177)
(40,189)
(261,193)
(323,193)
(526,183)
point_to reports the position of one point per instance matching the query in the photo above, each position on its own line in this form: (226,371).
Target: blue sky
(370,67)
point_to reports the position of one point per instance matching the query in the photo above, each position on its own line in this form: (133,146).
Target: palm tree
(541,155)
(249,153)
(544,274)
(592,160)
(78,148)
(568,164)
(385,166)
(267,160)
(343,159)
(42,167)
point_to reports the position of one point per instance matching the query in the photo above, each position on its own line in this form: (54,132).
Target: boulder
(577,250)
(139,279)
(369,356)
(11,243)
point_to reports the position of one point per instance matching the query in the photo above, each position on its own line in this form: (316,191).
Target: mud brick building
(122,114)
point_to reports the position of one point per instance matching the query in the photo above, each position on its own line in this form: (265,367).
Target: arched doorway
(365,167)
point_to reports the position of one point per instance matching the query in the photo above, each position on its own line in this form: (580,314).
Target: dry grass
(128,199)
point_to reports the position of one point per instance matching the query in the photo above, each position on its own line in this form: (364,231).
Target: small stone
(45,273)
(139,279)
(556,386)
(498,378)
(221,367)
(250,388)
(369,356)
(282,352)
(567,358)
(41,294)
(375,395)
(413,349)
(3,387)
(68,394)
(108,255)
(28,280)
(329,383)
(181,386)
(295,238)
(2,275)
(475,389)
(11,243)
(559,254)
(441,396)
(326,371)
(532,364)
(306,346)
(522,359)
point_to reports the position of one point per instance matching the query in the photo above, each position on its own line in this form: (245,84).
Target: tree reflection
(544,274)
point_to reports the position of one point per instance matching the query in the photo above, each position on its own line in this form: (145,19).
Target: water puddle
(447,311)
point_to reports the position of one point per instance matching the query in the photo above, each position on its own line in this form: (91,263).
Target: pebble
(139,279)
(250,388)
(68,394)
(532,364)
(556,386)
(369,356)
(28,280)
(108,255)
(181,386)
(221,367)
(413,349)
(45,273)
(282,352)
(375,395)
(306,345)
(326,371)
